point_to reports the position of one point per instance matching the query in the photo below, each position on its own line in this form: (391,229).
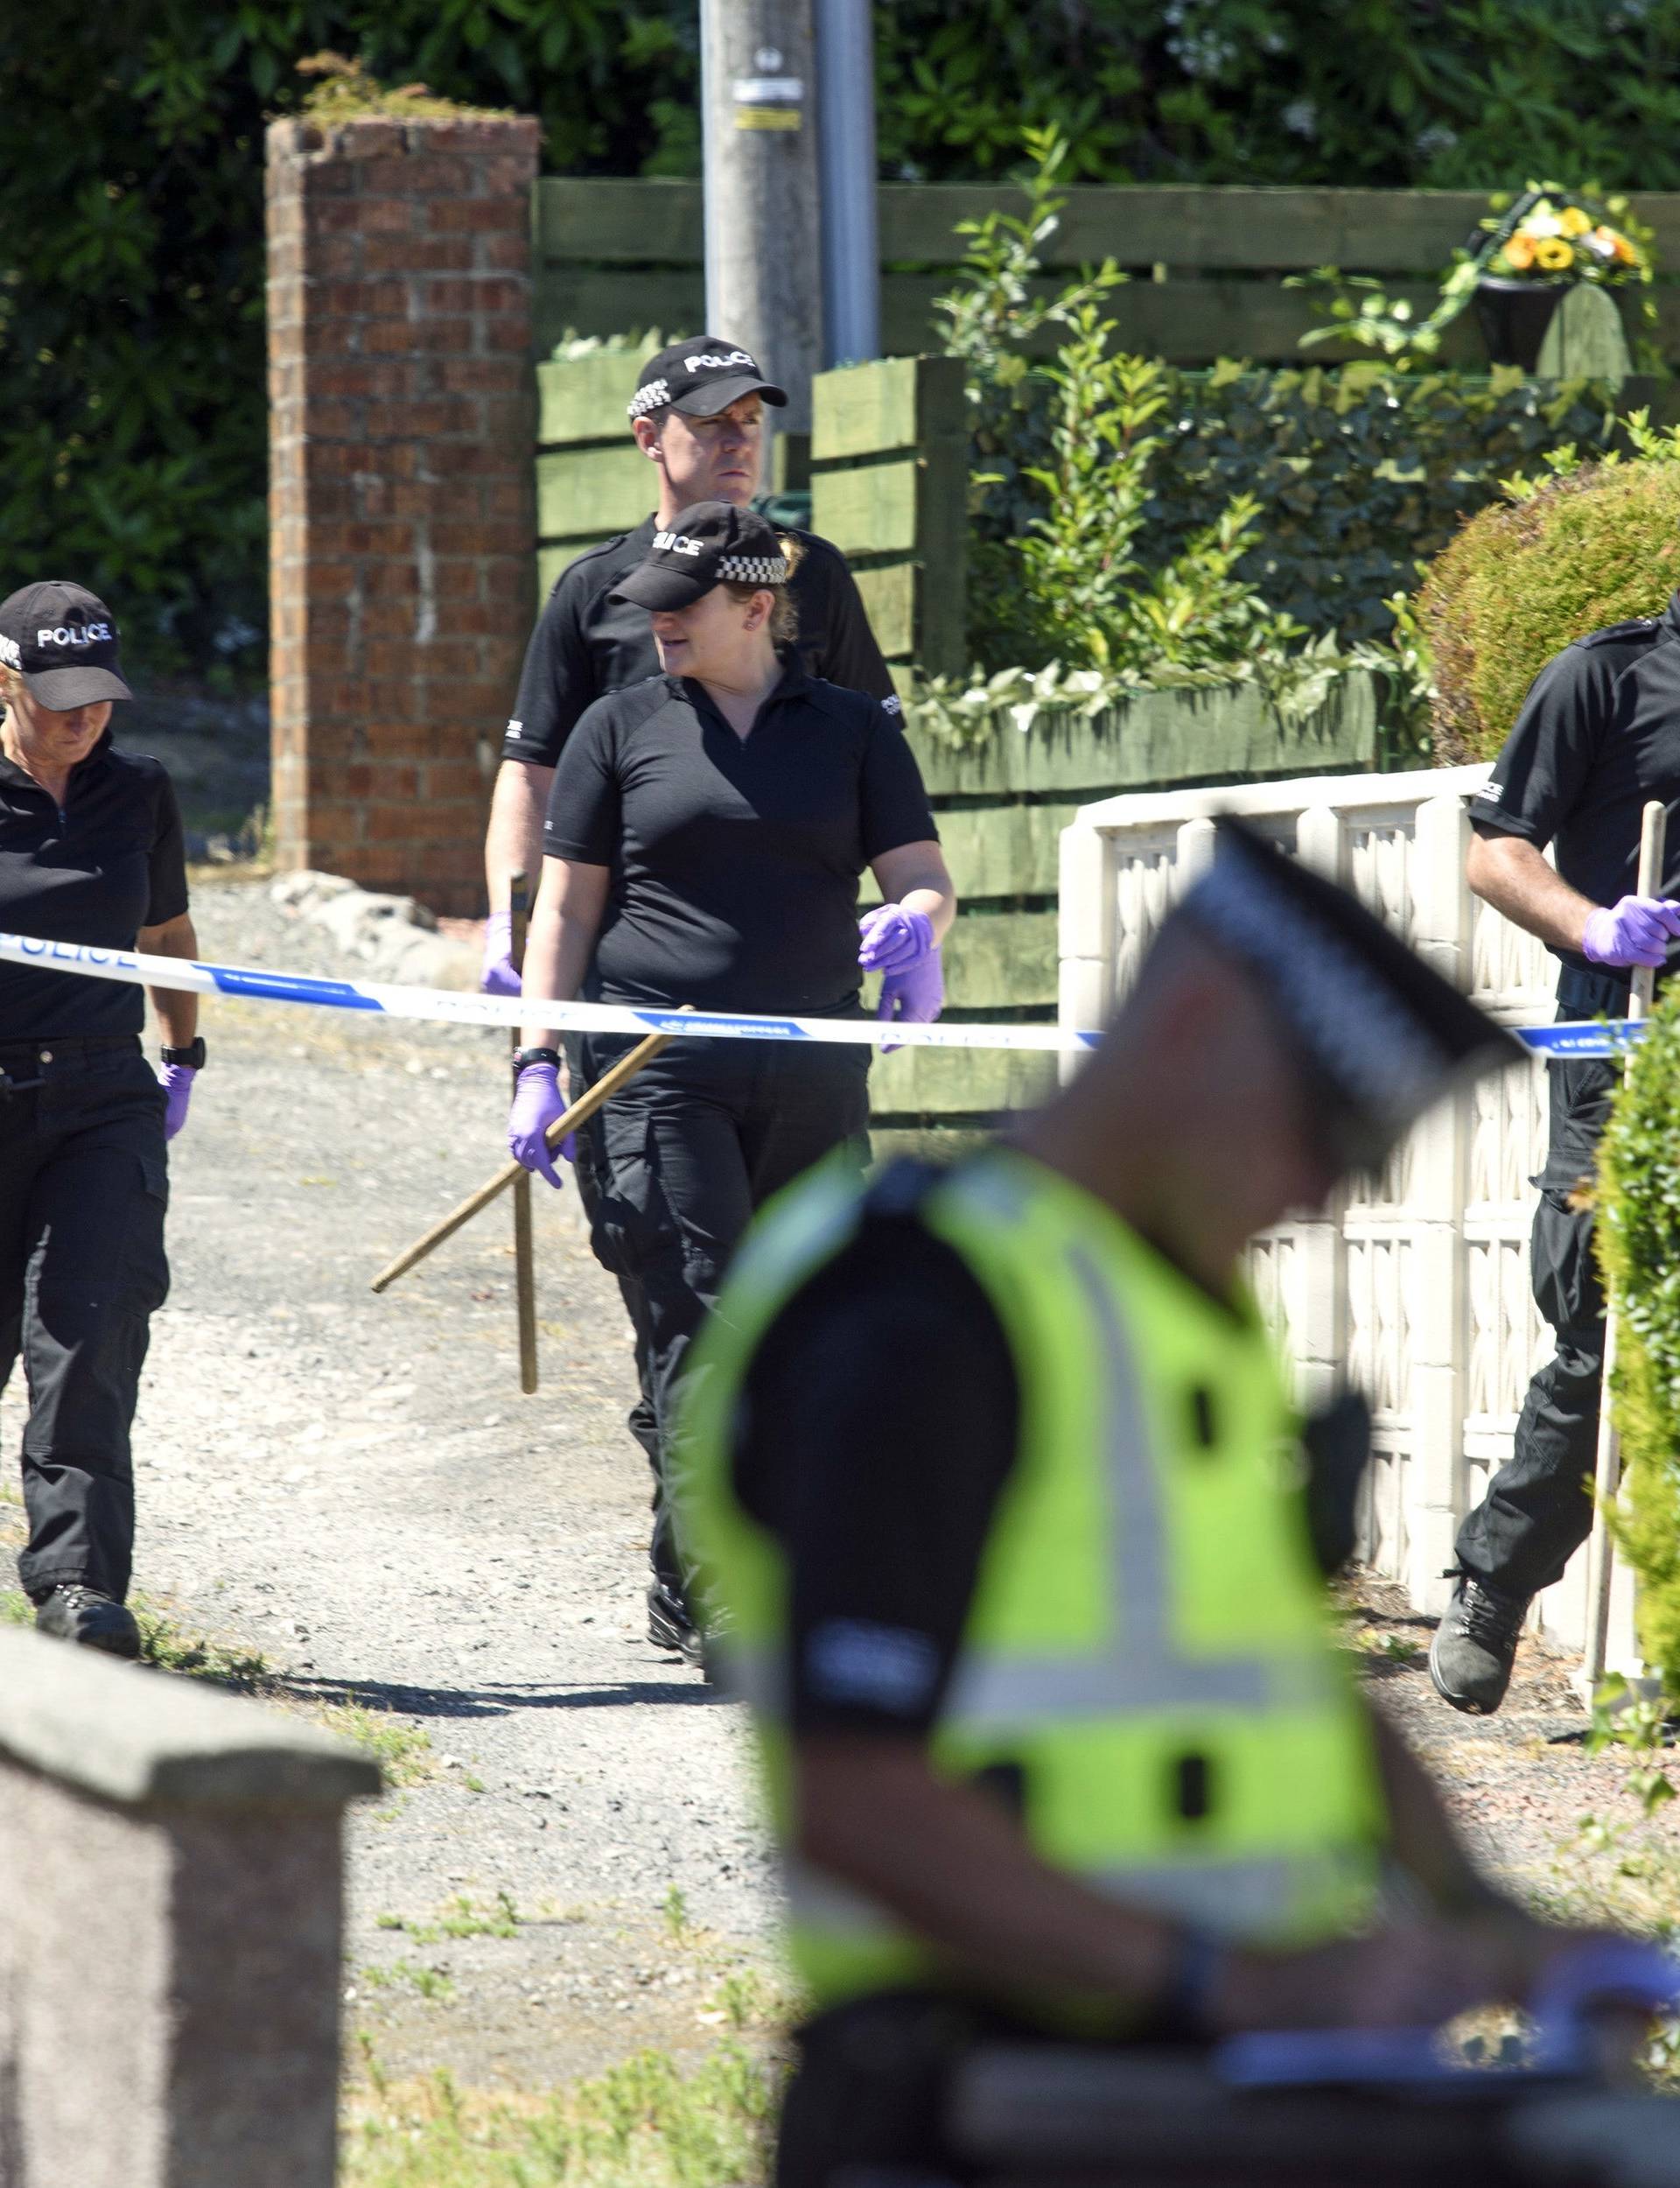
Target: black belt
(67,1044)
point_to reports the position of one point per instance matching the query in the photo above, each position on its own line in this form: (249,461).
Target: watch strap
(191,1056)
(524,1056)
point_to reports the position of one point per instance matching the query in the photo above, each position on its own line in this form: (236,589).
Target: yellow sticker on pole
(769,102)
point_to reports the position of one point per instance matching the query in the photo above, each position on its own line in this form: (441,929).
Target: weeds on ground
(433,1983)
(404,1751)
(462,1919)
(644,2124)
(168,1646)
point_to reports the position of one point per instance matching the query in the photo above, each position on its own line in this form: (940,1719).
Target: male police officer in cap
(697,414)
(1599,735)
(987,1496)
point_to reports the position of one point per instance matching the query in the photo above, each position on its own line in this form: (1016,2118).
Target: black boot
(669,1625)
(76,1612)
(1474,1646)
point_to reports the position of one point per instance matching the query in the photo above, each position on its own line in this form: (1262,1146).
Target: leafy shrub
(1134,518)
(1591,546)
(1638,1234)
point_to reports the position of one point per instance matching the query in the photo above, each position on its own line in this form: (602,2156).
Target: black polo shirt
(585,645)
(110,863)
(735,860)
(1598,736)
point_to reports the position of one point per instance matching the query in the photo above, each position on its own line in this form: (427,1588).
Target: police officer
(90,852)
(705,836)
(983,1485)
(699,416)
(1598,736)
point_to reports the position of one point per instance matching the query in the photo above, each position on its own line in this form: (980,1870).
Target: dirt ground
(353,1487)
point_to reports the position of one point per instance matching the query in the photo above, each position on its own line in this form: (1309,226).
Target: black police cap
(1381,1035)
(711,544)
(62,641)
(701,377)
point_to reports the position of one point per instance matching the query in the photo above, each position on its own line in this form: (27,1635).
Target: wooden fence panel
(616,256)
(889,486)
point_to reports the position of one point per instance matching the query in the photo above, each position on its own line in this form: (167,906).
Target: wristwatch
(522,1056)
(192,1056)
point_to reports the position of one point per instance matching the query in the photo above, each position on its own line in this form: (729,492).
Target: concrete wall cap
(140,1737)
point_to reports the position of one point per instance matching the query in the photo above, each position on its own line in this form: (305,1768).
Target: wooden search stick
(524,1257)
(581,1111)
(1607,1472)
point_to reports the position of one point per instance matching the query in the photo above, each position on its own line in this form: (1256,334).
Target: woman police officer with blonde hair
(707,829)
(91,851)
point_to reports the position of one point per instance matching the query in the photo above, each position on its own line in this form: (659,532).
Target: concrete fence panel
(170,1930)
(1413,1284)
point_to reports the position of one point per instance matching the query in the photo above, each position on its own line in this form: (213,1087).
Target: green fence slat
(864,409)
(889,598)
(872,510)
(995,961)
(1159,739)
(969,1082)
(591,493)
(608,220)
(585,398)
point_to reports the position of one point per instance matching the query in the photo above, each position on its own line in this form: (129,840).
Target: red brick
(450,779)
(411,337)
(478,133)
(484,376)
(509,215)
(419,254)
(418,175)
(510,334)
(503,253)
(394,739)
(501,175)
(367,136)
(359,300)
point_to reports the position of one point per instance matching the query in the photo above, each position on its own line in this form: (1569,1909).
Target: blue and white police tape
(1608,1037)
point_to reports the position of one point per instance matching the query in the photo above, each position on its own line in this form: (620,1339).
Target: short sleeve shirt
(735,862)
(878,1429)
(585,645)
(111,862)
(1598,737)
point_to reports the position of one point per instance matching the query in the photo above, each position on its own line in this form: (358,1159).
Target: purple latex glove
(890,940)
(1636,931)
(913,997)
(537,1101)
(498,975)
(176,1079)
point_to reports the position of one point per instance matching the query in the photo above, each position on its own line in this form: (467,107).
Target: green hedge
(1361,474)
(1638,1235)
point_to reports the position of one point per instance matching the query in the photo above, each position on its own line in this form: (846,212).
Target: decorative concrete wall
(1414,1285)
(170,1927)
(401,497)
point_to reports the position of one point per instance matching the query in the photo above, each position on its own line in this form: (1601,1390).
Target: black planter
(1515,316)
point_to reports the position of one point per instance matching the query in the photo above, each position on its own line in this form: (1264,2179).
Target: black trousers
(671,1172)
(1538,1509)
(83,1189)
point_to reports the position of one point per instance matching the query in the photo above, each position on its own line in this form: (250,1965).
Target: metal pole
(763,258)
(851,253)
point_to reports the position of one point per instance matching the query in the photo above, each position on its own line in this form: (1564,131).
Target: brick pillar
(401,487)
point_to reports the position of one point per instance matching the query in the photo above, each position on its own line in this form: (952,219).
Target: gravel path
(353,1486)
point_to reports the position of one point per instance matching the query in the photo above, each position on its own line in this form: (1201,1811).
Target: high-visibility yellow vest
(1146,1645)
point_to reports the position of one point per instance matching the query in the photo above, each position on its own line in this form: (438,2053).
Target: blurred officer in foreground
(987,1495)
(1598,735)
(90,852)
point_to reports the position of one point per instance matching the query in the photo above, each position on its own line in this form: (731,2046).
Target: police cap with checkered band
(61,640)
(708,544)
(1378,1035)
(701,377)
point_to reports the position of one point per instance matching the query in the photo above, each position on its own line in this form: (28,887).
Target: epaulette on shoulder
(1638,628)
